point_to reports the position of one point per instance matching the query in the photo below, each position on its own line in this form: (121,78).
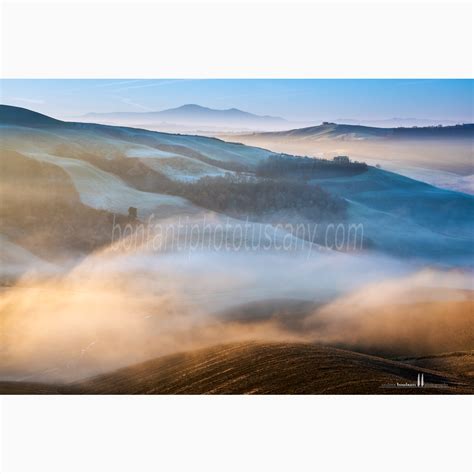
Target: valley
(222,278)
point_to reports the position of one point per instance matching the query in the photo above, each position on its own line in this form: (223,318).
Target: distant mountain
(194,116)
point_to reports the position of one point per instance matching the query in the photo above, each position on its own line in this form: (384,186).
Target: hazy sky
(319,99)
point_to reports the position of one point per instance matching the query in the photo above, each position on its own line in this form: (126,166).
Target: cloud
(135,104)
(155,84)
(28,100)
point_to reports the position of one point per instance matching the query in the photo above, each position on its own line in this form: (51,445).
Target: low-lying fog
(119,307)
(446,164)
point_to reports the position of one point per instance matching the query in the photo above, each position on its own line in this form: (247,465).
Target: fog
(444,163)
(117,307)
(428,312)
(75,302)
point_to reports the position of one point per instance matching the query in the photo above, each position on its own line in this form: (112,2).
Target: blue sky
(295,99)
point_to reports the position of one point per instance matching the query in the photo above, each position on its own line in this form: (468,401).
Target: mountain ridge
(188,111)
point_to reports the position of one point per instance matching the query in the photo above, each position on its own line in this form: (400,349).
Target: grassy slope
(47,217)
(407,217)
(400,215)
(101,190)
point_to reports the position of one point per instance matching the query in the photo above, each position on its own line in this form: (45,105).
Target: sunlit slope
(58,208)
(41,211)
(259,368)
(459,363)
(209,147)
(263,368)
(175,166)
(102,190)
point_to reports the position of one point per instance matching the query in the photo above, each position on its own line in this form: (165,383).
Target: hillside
(259,368)
(460,363)
(223,243)
(42,214)
(115,138)
(113,168)
(441,156)
(360,132)
(19,116)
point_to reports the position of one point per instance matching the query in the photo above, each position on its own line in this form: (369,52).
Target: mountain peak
(190,107)
(200,109)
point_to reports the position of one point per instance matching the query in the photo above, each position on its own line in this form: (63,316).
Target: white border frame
(226,39)
(237,39)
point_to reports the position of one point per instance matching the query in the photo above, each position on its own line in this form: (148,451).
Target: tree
(132,213)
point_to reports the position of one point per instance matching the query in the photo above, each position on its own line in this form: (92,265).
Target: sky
(293,99)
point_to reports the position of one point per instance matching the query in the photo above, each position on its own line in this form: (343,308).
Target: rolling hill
(113,140)
(113,168)
(73,305)
(441,156)
(103,160)
(261,368)
(360,132)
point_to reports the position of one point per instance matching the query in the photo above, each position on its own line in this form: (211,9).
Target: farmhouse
(342,159)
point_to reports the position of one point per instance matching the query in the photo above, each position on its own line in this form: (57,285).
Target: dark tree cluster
(306,168)
(240,195)
(278,185)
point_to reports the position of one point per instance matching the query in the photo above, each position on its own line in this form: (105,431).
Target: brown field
(460,364)
(272,368)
